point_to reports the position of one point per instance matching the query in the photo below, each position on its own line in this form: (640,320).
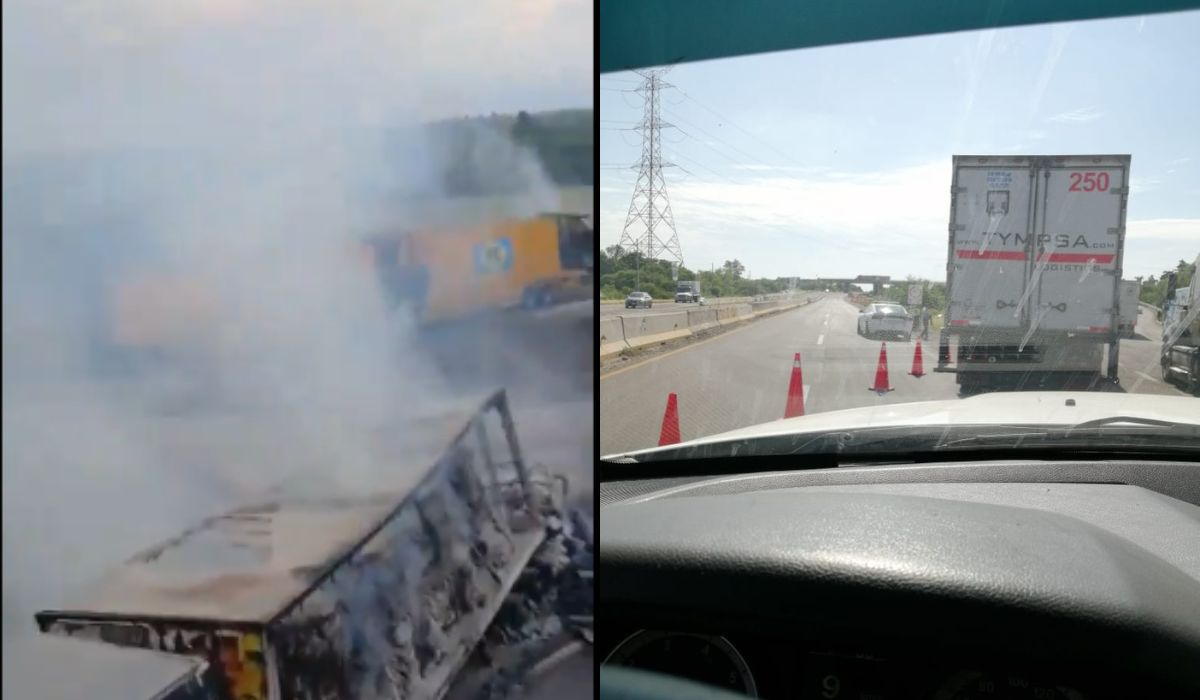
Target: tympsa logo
(493,257)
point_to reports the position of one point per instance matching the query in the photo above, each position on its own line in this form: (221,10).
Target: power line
(714,172)
(709,146)
(773,149)
(718,139)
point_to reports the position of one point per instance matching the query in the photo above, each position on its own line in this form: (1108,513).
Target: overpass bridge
(843,283)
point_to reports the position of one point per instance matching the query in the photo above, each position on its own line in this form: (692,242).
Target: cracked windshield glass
(955,241)
(298,370)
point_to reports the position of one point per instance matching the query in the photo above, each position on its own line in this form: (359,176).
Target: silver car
(882,320)
(638,300)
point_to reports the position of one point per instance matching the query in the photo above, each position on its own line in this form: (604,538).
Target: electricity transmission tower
(650,226)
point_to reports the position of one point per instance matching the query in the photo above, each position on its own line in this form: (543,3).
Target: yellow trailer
(451,273)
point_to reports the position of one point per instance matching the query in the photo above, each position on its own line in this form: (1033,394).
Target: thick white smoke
(236,145)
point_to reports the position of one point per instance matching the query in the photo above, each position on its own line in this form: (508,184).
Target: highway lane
(1138,363)
(740,378)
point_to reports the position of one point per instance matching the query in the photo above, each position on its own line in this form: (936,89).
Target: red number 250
(1089,182)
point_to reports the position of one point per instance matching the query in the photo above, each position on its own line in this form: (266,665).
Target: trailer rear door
(989,250)
(1078,267)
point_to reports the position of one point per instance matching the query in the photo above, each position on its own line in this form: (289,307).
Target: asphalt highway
(741,378)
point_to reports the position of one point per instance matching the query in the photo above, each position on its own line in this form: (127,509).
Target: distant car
(702,301)
(638,300)
(885,321)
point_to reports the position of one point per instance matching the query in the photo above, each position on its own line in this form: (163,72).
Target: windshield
(1017,209)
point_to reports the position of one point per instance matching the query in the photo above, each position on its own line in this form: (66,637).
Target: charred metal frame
(385,615)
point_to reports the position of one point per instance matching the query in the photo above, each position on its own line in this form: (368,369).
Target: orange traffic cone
(795,395)
(670,424)
(881,372)
(918,369)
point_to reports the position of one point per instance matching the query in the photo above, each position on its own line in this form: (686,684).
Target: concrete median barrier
(701,319)
(644,330)
(731,313)
(619,333)
(761,307)
(612,336)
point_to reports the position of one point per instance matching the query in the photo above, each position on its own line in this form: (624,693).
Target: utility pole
(650,208)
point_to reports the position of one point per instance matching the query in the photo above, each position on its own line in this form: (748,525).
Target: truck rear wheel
(969,384)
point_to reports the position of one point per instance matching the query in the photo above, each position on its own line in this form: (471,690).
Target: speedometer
(702,658)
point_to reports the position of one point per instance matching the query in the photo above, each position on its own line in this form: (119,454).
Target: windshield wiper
(1113,430)
(1099,422)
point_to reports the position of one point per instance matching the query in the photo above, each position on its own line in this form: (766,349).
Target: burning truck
(474,567)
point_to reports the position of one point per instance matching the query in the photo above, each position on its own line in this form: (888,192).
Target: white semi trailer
(1034,269)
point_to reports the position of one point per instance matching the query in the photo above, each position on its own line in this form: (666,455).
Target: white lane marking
(820,339)
(1142,376)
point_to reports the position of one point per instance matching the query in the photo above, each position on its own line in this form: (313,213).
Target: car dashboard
(961,580)
(779,666)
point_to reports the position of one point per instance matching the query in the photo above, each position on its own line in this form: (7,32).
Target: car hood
(1034,408)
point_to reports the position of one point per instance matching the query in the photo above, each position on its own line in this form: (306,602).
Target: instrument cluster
(770,669)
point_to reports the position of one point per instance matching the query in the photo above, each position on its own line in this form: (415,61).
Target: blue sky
(836,161)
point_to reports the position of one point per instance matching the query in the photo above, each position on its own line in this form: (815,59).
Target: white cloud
(846,202)
(822,222)
(1185,230)
(1153,245)
(1083,114)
